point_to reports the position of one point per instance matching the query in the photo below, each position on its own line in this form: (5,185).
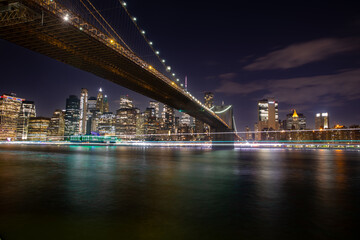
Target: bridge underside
(46,33)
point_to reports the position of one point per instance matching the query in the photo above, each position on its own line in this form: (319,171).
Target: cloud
(224,76)
(303,53)
(333,89)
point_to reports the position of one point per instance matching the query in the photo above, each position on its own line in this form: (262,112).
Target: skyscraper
(295,121)
(185,120)
(156,106)
(27,111)
(83,111)
(100,101)
(106,124)
(209,99)
(126,102)
(57,126)
(9,114)
(168,116)
(92,116)
(72,115)
(322,120)
(38,128)
(106,104)
(268,116)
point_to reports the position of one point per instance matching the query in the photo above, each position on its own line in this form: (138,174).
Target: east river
(73,192)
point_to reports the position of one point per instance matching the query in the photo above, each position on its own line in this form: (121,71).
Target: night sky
(306,55)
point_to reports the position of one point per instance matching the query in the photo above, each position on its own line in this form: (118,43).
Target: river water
(82,192)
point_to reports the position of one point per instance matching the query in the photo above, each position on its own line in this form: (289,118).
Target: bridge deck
(79,44)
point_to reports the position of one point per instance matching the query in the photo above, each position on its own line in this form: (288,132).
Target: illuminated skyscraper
(126,123)
(100,101)
(126,102)
(83,111)
(72,115)
(92,116)
(151,125)
(106,124)
(209,99)
(57,126)
(185,120)
(168,116)
(295,121)
(106,104)
(26,112)
(10,106)
(268,117)
(38,128)
(155,105)
(322,121)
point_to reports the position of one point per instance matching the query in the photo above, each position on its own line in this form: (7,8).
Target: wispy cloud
(303,53)
(333,89)
(224,76)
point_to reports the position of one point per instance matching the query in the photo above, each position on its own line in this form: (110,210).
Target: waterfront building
(268,117)
(126,123)
(57,126)
(83,111)
(322,121)
(295,121)
(10,106)
(27,111)
(156,106)
(106,124)
(38,128)
(72,115)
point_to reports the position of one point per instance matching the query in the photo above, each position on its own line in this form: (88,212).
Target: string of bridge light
(157,53)
(150,43)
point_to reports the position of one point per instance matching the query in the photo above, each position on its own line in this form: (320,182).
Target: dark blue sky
(306,55)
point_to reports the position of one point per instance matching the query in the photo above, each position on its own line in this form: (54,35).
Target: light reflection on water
(84,192)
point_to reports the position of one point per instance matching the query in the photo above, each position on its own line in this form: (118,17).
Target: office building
(268,117)
(38,129)
(106,124)
(126,123)
(100,101)
(209,99)
(168,118)
(92,116)
(322,120)
(185,120)
(295,121)
(27,111)
(10,106)
(156,106)
(83,111)
(126,102)
(57,126)
(72,115)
